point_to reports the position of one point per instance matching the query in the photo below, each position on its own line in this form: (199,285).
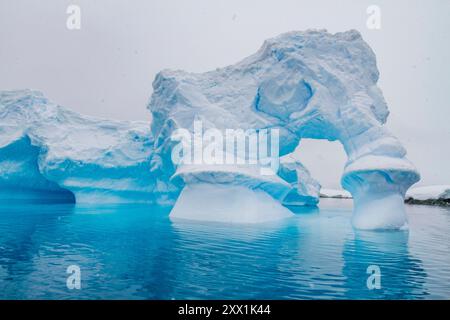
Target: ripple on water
(136,252)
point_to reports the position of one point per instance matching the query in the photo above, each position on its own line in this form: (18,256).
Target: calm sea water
(137,252)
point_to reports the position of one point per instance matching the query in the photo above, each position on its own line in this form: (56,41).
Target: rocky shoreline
(429,202)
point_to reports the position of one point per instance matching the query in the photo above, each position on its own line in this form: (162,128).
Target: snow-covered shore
(432,195)
(335,193)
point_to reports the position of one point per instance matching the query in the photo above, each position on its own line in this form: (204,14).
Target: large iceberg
(51,154)
(309,84)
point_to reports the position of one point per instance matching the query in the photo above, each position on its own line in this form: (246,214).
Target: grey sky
(106,68)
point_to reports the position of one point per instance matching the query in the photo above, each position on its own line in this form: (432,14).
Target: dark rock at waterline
(429,202)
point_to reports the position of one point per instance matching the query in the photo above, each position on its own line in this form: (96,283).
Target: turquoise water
(137,252)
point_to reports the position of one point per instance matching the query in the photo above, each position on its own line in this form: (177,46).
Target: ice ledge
(227,204)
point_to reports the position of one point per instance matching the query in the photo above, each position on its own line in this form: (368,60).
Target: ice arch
(309,84)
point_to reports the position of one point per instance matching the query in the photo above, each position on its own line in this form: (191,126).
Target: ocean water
(137,252)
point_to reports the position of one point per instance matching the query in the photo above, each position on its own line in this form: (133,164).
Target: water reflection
(402,275)
(19,250)
(220,260)
(137,252)
(293,259)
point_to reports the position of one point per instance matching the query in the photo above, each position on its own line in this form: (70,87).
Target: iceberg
(232,194)
(309,84)
(51,154)
(305,190)
(298,85)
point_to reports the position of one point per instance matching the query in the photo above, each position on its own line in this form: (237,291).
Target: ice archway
(309,84)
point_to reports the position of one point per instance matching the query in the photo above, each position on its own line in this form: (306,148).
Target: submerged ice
(309,84)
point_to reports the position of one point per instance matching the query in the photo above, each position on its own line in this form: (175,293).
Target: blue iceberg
(310,84)
(49,153)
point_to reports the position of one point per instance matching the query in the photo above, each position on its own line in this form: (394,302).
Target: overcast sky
(106,68)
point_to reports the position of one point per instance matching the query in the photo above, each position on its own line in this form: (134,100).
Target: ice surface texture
(309,84)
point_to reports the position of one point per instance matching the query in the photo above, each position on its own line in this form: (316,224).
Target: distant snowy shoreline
(335,193)
(438,195)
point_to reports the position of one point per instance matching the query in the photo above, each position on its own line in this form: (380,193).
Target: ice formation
(309,84)
(305,190)
(49,153)
(230,204)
